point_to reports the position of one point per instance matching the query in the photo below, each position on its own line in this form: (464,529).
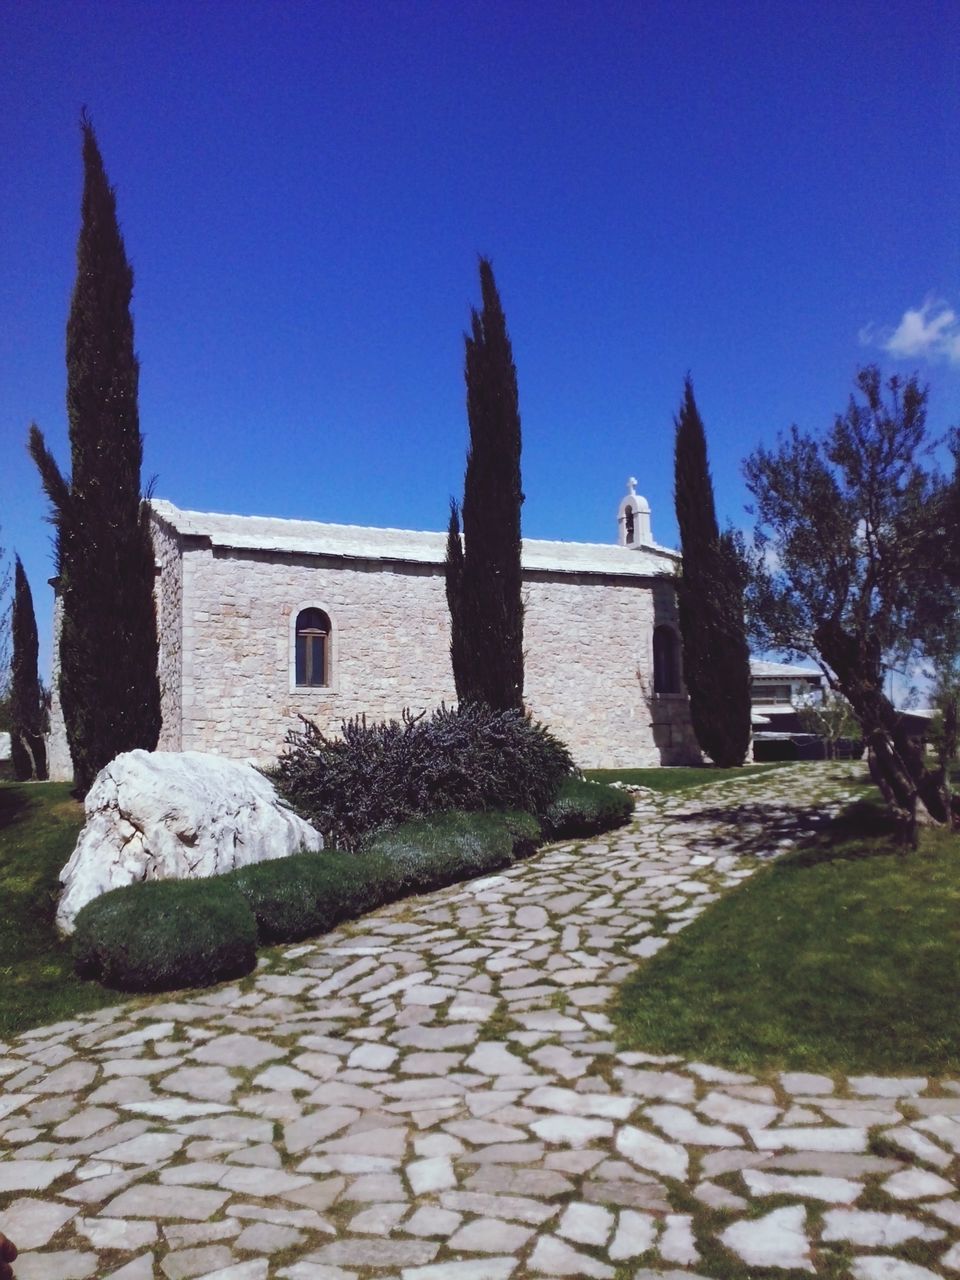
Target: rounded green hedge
(448,847)
(161,935)
(586,809)
(165,934)
(310,893)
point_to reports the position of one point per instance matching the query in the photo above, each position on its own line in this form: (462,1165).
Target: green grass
(678,777)
(39,823)
(844,956)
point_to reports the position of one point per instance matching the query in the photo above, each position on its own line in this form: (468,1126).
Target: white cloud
(928,332)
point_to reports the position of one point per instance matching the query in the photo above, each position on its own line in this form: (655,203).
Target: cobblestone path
(433,1093)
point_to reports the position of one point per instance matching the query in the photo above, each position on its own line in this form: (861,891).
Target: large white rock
(172,815)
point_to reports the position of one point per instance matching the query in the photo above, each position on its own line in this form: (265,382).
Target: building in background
(265,620)
(777,690)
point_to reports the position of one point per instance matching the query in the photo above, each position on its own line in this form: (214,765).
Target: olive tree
(854,561)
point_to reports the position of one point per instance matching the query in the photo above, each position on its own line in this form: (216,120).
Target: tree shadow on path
(772,830)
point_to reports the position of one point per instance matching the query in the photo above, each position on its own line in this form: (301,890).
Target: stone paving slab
(433,1093)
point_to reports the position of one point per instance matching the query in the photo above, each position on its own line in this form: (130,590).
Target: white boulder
(174,815)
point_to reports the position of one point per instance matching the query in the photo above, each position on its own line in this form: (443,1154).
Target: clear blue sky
(764,193)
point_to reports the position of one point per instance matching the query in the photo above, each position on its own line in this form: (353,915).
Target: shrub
(161,935)
(447,847)
(585,809)
(381,775)
(309,893)
(166,934)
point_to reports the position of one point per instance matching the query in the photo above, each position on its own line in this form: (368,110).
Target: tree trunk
(917,795)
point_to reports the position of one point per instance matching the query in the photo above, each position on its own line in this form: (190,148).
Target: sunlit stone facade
(230,591)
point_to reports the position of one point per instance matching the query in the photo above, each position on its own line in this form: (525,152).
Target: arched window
(666,661)
(313,648)
(628,518)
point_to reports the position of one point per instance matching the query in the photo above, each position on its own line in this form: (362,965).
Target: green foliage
(716,658)
(830,716)
(946,700)
(863,540)
(109,689)
(4,642)
(39,824)
(448,847)
(583,808)
(28,750)
(844,956)
(380,775)
(161,935)
(157,935)
(309,893)
(166,934)
(484,582)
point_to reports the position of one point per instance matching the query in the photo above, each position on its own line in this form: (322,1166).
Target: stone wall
(169,602)
(588,646)
(588,642)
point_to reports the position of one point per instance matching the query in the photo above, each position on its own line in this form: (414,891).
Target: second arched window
(666,661)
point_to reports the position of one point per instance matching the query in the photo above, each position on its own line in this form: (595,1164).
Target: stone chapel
(262,620)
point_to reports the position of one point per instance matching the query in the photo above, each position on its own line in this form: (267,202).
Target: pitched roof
(359,542)
(783,670)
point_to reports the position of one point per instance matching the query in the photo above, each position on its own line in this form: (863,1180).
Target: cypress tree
(716,658)
(109,689)
(454,585)
(485,585)
(26,696)
(5,611)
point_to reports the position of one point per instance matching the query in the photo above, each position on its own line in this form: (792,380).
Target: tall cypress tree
(454,585)
(26,697)
(109,689)
(5,612)
(716,658)
(484,588)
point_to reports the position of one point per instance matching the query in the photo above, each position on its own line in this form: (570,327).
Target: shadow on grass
(864,830)
(13,801)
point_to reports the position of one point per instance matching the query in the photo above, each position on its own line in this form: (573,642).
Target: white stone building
(777,689)
(263,620)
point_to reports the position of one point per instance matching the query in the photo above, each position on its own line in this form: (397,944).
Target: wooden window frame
(330,647)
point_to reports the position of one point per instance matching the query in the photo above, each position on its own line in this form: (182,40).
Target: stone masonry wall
(588,644)
(169,601)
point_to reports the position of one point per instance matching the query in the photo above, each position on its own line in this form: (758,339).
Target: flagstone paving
(434,1093)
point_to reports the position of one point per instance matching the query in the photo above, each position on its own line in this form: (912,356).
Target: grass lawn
(39,823)
(843,956)
(678,777)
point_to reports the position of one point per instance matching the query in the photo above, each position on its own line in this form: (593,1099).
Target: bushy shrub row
(162,935)
(165,934)
(448,847)
(377,776)
(586,809)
